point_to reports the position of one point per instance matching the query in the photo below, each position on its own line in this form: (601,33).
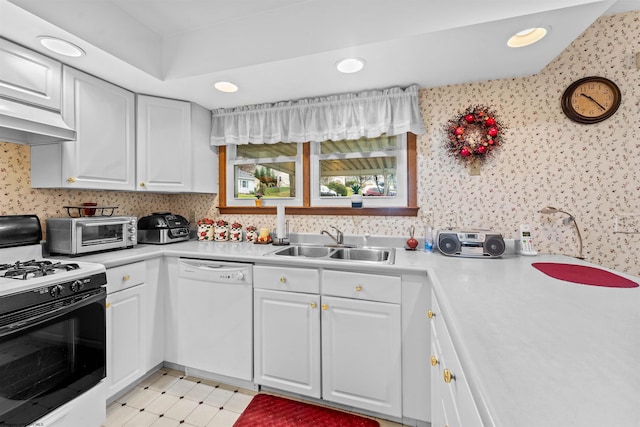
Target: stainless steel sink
(362,254)
(308,251)
(373,255)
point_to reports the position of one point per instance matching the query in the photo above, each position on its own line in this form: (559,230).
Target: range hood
(26,124)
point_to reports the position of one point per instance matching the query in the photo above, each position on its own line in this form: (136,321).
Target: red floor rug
(272,411)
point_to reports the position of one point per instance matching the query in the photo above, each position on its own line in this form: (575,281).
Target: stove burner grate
(24,270)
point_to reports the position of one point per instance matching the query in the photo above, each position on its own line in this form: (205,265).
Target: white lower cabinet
(361,356)
(451,400)
(125,332)
(287,341)
(134,318)
(344,347)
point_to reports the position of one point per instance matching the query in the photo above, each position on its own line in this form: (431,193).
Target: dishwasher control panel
(216,271)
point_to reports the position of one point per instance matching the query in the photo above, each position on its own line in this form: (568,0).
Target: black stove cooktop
(24,270)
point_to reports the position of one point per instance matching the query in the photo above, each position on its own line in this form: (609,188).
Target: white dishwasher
(215,317)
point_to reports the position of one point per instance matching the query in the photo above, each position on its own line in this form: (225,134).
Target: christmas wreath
(474,134)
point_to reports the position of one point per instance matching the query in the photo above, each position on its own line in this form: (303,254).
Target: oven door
(50,354)
(92,235)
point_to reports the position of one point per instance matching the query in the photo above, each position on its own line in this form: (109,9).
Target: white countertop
(249,252)
(539,351)
(536,351)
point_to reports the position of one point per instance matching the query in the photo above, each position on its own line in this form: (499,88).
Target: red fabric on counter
(584,275)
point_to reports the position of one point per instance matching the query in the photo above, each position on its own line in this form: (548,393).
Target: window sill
(327,210)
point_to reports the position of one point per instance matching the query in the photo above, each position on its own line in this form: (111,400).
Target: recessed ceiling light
(227,87)
(60,46)
(350,65)
(527,37)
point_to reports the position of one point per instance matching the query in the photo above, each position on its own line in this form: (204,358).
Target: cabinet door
(29,77)
(125,338)
(102,157)
(163,155)
(361,355)
(287,341)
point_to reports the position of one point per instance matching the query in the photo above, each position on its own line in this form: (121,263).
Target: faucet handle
(339,234)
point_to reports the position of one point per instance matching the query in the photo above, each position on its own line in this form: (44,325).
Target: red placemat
(266,410)
(584,275)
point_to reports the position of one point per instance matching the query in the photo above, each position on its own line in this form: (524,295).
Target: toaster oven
(83,235)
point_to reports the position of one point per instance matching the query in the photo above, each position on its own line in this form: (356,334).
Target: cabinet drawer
(287,279)
(361,286)
(126,276)
(456,398)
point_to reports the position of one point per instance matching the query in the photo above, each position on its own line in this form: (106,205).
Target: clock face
(591,100)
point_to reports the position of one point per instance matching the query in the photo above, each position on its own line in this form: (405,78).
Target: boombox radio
(481,243)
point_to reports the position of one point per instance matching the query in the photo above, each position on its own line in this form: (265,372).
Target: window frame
(411,209)
(399,200)
(289,201)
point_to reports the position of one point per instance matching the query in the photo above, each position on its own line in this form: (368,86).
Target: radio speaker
(494,245)
(448,243)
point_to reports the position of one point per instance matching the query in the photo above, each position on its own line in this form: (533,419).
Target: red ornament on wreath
(474,134)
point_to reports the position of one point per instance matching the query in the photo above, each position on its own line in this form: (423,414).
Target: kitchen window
(373,167)
(271,170)
(319,178)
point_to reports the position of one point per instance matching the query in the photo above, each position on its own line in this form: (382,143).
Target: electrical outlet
(627,223)
(474,168)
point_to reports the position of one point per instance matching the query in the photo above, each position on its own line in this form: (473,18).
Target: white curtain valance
(347,116)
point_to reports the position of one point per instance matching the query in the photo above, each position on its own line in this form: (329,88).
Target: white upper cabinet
(29,77)
(163,144)
(102,156)
(30,97)
(204,158)
(173,152)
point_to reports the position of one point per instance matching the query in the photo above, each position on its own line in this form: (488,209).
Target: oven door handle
(52,314)
(100,224)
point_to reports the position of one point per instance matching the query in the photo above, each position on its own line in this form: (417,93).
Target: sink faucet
(339,239)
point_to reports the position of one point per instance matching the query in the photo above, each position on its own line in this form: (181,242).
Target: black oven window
(100,234)
(51,363)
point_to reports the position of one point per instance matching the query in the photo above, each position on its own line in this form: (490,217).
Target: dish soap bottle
(428,239)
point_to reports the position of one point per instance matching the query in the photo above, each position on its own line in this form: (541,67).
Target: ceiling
(277,50)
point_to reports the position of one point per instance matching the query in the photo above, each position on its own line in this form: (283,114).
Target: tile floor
(169,399)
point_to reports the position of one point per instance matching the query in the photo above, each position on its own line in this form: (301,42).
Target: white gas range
(52,332)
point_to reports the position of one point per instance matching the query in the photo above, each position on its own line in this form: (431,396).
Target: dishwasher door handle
(213,268)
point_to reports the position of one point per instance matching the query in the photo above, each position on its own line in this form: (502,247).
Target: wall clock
(591,100)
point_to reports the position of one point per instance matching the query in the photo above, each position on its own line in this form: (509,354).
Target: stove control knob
(56,290)
(77,286)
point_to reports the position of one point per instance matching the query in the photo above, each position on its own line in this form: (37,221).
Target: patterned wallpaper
(587,170)
(18,197)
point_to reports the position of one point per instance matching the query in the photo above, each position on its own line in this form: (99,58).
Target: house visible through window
(271,171)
